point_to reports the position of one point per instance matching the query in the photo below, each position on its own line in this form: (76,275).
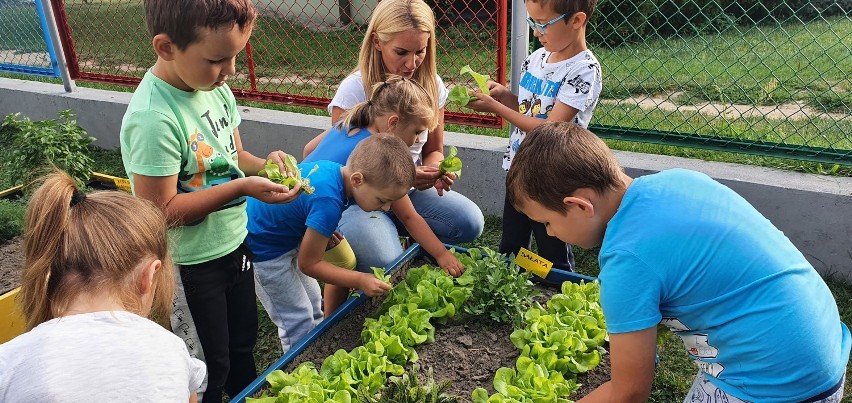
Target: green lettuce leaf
(481,79)
(452,163)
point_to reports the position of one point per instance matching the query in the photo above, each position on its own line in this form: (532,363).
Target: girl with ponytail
(96,267)
(401,107)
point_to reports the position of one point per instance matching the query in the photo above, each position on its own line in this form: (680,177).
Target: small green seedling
(380,274)
(452,163)
(461,94)
(271,171)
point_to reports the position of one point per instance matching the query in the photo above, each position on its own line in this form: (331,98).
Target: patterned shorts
(703,391)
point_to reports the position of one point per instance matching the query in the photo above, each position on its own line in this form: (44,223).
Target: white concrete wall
(814,211)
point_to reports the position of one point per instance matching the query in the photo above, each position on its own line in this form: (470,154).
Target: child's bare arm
(184,208)
(310,261)
(632,357)
(420,231)
(503,94)
(485,103)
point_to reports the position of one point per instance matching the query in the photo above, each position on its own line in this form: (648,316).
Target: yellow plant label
(122,183)
(533,263)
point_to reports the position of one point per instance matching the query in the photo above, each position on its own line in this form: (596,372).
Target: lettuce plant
(461,94)
(452,163)
(270,170)
(556,343)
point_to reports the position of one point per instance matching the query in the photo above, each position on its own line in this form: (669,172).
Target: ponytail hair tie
(77,197)
(369,103)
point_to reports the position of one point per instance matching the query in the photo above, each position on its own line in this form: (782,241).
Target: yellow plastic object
(12,321)
(120,183)
(533,263)
(341,255)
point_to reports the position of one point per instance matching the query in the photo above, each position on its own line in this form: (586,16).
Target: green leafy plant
(461,94)
(33,148)
(502,292)
(428,292)
(407,389)
(271,171)
(481,79)
(11,219)
(452,163)
(380,274)
(556,343)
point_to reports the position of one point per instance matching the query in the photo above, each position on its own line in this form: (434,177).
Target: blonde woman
(400,40)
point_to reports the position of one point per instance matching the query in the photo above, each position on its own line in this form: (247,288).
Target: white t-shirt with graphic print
(575,82)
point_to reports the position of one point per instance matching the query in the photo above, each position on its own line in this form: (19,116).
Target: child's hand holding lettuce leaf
(461,94)
(271,171)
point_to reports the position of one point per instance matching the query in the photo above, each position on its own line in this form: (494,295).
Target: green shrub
(34,148)
(750,12)
(11,219)
(616,22)
(686,18)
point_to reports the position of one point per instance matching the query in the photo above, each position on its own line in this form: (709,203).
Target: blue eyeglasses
(542,28)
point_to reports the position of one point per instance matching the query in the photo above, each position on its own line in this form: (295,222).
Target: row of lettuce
(556,341)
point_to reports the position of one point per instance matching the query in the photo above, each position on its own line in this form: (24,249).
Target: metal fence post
(520,41)
(54,45)
(520,44)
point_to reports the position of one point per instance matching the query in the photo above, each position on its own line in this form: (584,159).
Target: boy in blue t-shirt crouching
(682,250)
(289,240)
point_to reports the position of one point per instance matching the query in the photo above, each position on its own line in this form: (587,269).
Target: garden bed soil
(466,351)
(11,264)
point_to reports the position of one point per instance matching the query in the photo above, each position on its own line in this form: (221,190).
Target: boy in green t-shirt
(181,149)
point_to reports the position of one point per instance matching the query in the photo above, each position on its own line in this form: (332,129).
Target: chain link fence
(763,77)
(24,45)
(298,53)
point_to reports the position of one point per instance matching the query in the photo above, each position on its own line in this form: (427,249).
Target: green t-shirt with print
(167,131)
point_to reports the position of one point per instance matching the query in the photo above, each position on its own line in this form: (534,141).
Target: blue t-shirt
(275,229)
(685,251)
(337,145)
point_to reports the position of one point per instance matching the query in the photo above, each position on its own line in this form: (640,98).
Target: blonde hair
(555,160)
(396,95)
(389,18)
(384,160)
(76,244)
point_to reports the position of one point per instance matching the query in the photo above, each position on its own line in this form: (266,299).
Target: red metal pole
(502,36)
(65,36)
(250,61)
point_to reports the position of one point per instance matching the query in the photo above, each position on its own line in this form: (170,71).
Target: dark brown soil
(11,264)
(467,352)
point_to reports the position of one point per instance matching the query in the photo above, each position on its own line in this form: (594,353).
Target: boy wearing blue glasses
(560,82)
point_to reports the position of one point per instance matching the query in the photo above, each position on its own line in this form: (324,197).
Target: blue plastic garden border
(555,277)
